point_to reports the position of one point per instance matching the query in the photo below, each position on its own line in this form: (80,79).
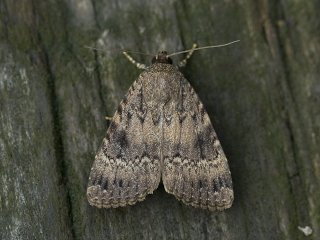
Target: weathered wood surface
(263,96)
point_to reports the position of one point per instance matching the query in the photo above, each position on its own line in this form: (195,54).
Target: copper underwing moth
(161,131)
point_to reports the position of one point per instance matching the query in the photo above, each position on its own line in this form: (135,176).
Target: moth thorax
(162,57)
(162,88)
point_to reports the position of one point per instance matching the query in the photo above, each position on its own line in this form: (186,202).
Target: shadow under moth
(161,131)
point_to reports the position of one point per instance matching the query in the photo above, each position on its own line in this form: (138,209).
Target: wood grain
(262,96)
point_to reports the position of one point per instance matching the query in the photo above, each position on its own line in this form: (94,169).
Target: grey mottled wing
(127,166)
(195,168)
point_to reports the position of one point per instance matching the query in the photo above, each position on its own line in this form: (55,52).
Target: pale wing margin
(123,173)
(195,169)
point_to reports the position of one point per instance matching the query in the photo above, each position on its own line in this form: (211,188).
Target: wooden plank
(262,96)
(33,198)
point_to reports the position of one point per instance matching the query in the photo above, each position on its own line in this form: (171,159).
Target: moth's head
(162,57)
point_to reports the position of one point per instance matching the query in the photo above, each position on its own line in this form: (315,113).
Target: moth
(161,131)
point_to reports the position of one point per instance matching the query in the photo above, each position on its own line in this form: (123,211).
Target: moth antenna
(141,53)
(200,48)
(103,50)
(93,48)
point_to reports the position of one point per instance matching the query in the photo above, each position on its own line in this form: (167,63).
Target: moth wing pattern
(127,166)
(195,167)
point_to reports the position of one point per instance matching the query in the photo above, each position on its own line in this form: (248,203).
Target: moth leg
(183,62)
(138,65)
(108,118)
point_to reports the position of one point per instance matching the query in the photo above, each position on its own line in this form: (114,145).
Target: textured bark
(263,96)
